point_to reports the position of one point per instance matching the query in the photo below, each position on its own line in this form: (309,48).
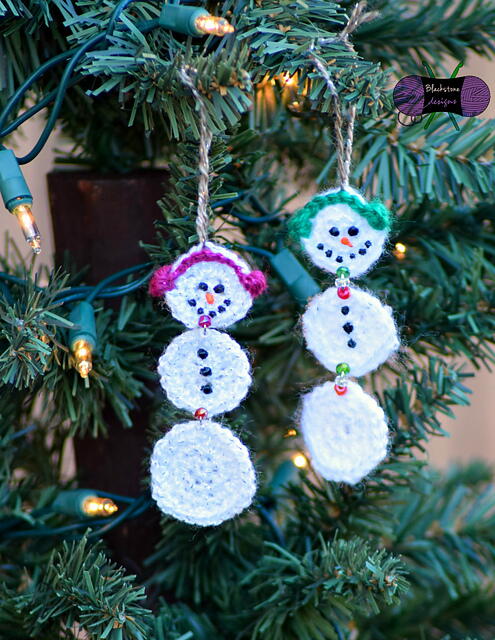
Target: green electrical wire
(116,276)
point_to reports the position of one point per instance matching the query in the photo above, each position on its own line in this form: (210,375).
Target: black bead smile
(351,231)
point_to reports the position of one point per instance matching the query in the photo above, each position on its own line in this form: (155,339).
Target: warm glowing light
(400,250)
(287,80)
(213,25)
(83,355)
(291,433)
(28,225)
(95,506)
(299,460)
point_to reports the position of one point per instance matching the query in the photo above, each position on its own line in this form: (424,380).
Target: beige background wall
(473,431)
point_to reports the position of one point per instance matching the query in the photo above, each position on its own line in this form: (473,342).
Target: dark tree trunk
(98,222)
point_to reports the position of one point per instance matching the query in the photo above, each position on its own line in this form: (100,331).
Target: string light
(28,225)
(96,506)
(17,197)
(400,250)
(83,353)
(291,433)
(299,460)
(213,25)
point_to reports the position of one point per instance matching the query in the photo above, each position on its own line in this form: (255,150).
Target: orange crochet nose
(346,241)
(210,298)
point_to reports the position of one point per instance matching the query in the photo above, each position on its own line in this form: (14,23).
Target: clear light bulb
(28,225)
(213,25)
(83,354)
(96,506)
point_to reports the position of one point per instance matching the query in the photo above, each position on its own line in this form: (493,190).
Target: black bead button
(351,343)
(345,310)
(202,353)
(205,371)
(348,328)
(207,388)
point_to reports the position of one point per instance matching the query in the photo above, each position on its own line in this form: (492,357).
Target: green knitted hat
(375,212)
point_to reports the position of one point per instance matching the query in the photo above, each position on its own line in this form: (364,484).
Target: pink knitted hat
(164,278)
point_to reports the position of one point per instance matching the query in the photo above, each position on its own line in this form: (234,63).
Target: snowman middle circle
(204,369)
(358,330)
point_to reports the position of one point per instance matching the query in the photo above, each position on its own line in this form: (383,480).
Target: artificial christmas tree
(406,552)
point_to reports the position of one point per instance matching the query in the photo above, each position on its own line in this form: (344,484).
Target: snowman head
(340,229)
(208,286)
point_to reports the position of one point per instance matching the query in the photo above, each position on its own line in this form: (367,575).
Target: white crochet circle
(328,252)
(332,326)
(187,301)
(201,473)
(347,435)
(185,371)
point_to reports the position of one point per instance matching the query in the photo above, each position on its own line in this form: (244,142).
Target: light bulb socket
(181,18)
(71,503)
(83,318)
(295,277)
(13,186)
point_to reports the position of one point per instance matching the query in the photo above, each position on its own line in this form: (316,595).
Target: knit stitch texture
(345,435)
(374,212)
(359,330)
(201,473)
(204,369)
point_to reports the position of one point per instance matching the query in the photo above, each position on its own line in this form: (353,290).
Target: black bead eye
(203,286)
(192,302)
(219,288)
(334,232)
(353,231)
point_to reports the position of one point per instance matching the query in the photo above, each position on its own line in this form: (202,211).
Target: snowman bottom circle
(201,473)
(204,368)
(346,435)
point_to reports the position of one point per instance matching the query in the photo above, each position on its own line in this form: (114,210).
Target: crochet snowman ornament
(348,330)
(200,472)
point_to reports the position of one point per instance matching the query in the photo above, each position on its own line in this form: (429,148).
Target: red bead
(343,292)
(201,414)
(204,321)
(340,390)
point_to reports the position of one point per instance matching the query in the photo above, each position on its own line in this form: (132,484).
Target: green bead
(343,272)
(342,368)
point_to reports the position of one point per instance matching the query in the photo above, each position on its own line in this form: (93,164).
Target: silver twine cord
(205,136)
(344,147)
